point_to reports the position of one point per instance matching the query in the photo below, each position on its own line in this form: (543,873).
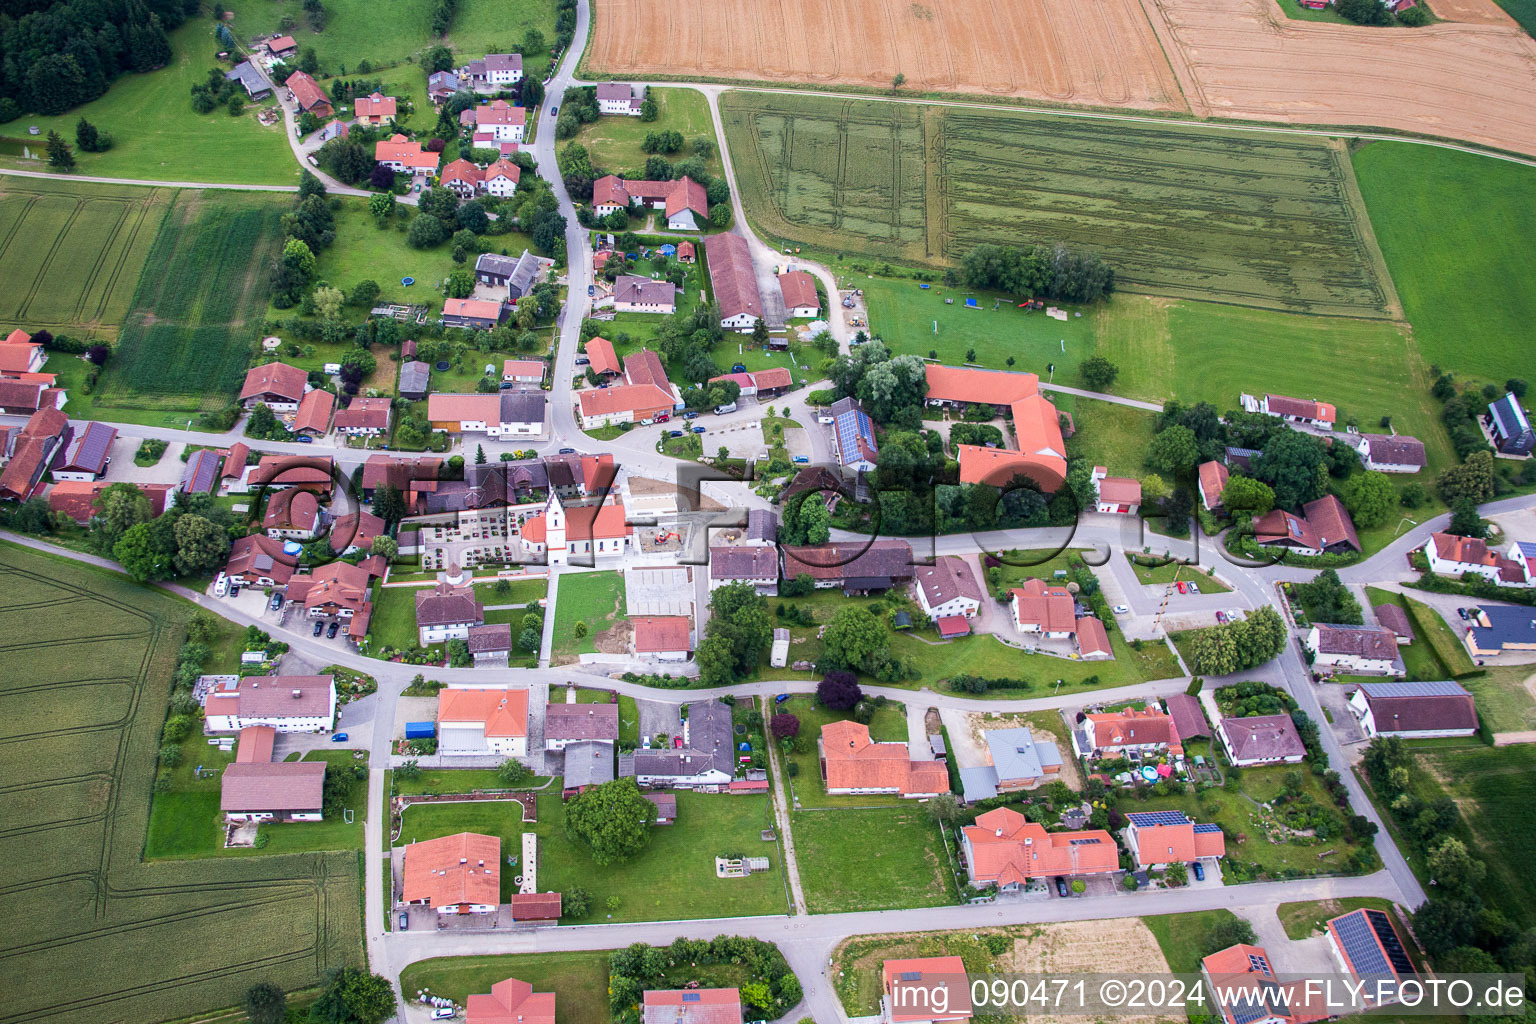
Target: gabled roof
(887,556)
(1092,638)
(1188,717)
(259,555)
(452,871)
(234,462)
(399,149)
(853,434)
(581,722)
(276,379)
(315,412)
(364,412)
(998,466)
(1163,837)
(692,1006)
(491,638)
(339,585)
(445,605)
(687,194)
(732,278)
(946,579)
(854,761)
(375,105)
(292,509)
(293,470)
(604,360)
(970,385)
(511,1002)
(87,453)
(522,368)
(275,697)
(276,788)
(1395,449)
(1132,728)
(657,634)
(1049,607)
(1393,617)
(1213,480)
(1120,489)
(1008,849)
(930,975)
(1419,707)
(641,399)
(473,309)
(1307,408)
(500,112)
(756,562)
(643,291)
(799,289)
(201,474)
(1508,416)
(77,498)
(463,171)
(501,712)
(1475,551)
(1373,642)
(710,747)
(504,169)
(306,91)
(1016,754)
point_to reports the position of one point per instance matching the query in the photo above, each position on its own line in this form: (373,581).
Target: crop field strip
(1266,221)
(75,809)
(204,281)
(74,247)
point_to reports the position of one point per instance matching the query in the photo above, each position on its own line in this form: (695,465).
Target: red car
(1183,588)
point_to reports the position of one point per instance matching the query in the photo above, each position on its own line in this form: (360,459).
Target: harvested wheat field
(1244,58)
(1124,946)
(1473,12)
(1090,52)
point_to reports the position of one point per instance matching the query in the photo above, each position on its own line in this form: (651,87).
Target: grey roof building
(522,407)
(762,526)
(415,379)
(1512,434)
(250,80)
(1018,762)
(588,763)
(708,759)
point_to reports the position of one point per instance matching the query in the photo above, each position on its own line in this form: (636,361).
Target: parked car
(1198,869)
(221,586)
(691,414)
(405,921)
(1183,587)
(1194,588)
(1463,613)
(781,698)
(726,409)
(567,451)
(330,633)
(646,422)
(339,737)
(663,417)
(1061,887)
(553,111)
(443,1013)
(1122,609)
(591,289)
(583,361)
(304,439)
(1221,616)
(674,433)
(276,602)
(319,628)
(234,590)
(698,430)
(802,460)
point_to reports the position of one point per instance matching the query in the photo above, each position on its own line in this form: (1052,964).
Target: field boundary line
(149,183)
(1356,199)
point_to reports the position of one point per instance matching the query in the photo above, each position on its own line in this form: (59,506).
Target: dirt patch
(1070,773)
(1076,947)
(615,639)
(1070,51)
(1245,59)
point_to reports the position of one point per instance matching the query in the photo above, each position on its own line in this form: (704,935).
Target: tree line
(1044,270)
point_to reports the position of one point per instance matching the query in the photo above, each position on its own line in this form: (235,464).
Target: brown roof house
(1354,650)
(733,281)
(446,612)
(314,416)
(858,567)
(32,450)
(757,565)
(947,587)
(88,455)
(574,723)
(1395,618)
(1261,739)
(282,791)
(306,92)
(662,637)
(364,417)
(1414,710)
(1323,527)
(634,294)
(277,385)
(490,644)
(799,291)
(260,561)
(287,703)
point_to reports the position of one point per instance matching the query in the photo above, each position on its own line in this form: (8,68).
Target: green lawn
(185,822)
(1459,245)
(903,314)
(889,724)
(155,134)
(528,592)
(596,598)
(1117,437)
(1435,653)
(1185,938)
(1297,12)
(454,780)
(676,870)
(1304,920)
(1504,698)
(578,980)
(614,142)
(1248,836)
(883,858)
(394,618)
(1172,572)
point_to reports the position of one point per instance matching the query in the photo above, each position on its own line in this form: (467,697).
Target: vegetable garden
(1265,221)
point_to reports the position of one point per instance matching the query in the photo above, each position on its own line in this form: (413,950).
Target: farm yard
(76,807)
(71,253)
(1257,220)
(1245,59)
(1103,55)
(1460,253)
(187,344)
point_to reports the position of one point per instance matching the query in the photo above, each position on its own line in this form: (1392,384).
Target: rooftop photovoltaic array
(1147,819)
(1371,944)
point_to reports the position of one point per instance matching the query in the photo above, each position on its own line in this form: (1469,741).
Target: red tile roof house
(603,359)
(375,109)
(293,515)
(355,531)
(365,417)
(1300,410)
(20,354)
(1117,494)
(799,291)
(1005,849)
(1041,454)
(924,989)
(476,722)
(502,120)
(314,415)
(457,874)
(733,281)
(1323,526)
(38,444)
(446,612)
(853,763)
(522,371)
(501,177)
(1247,992)
(507,414)
(510,1002)
(282,46)
(24,397)
(1039,607)
(635,294)
(1157,838)
(1414,710)
(1354,650)
(1119,732)
(306,92)
(287,703)
(946,588)
(580,723)
(87,456)
(662,637)
(405,156)
(463,177)
(1261,739)
(306,472)
(77,498)
(1213,480)
(339,590)
(278,386)
(293,791)
(645,393)
(259,561)
(1450,555)
(473,314)
(691,1006)
(684,201)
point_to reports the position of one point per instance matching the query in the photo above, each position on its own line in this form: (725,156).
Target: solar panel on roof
(1442,688)
(1247,1009)
(1258,963)
(1083,842)
(1358,940)
(1207,826)
(1396,954)
(690,997)
(1146,819)
(911,975)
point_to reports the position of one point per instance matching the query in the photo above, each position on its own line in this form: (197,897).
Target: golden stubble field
(1473,77)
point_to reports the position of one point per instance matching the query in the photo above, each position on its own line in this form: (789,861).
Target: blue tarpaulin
(971,303)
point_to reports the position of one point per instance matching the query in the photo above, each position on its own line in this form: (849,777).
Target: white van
(220,585)
(721,410)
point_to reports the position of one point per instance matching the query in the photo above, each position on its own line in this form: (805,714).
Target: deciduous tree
(612,819)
